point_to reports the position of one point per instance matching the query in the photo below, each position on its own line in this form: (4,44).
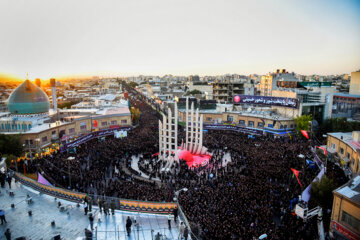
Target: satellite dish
(249,109)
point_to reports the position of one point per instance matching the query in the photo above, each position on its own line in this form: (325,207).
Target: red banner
(344,231)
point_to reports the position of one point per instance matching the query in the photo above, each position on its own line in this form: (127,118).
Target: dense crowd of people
(242,199)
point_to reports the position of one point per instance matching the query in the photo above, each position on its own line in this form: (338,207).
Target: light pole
(37,140)
(301,156)
(69,160)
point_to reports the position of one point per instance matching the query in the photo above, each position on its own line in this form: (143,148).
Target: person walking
(100,203)
(7,234)
(106,208)
(128,225)
(169,220)
(90,203)
(112,206)
(181,230)
(85,208)
(175,212)
(2,216)
(186,233)
(91,219)
(9,178)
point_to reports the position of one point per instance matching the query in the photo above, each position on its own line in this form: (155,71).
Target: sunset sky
(181,37)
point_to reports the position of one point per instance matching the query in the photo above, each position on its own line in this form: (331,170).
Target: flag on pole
(305,134)
(322,148)
(296,173)
(95,123)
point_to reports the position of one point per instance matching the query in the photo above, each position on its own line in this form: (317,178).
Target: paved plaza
(71,222)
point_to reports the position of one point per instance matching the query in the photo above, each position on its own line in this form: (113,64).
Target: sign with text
(92,135)
(233,128)
(268,101)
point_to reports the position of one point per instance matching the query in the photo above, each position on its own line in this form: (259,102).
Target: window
(44,139)
(333,145)
(114,122)
(2,126)
(270,125)
(285,126)
(241,122)
(260,124)
(251,123)
(341,150)
(29,126)
(350,220)
(281,126)
(25,126)
(208,119)
(348,155)
(71,130)
(124,121)
(103,124)
(230,118)
(53,132)
(82,125)
(291,126)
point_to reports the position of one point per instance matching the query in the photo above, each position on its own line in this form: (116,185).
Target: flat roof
(346,95)
(346,138)
(351,189)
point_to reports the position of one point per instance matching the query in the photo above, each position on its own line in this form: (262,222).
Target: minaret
(53,93)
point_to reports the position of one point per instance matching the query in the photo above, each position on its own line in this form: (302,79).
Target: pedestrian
(91,219)
(88,234)
(186,233)
(175,212)
(112,206)
(85,208)
(9,178)
(2,180)
(169,220)
(106,208)
(7,234)
(181,230)
(128,225)
(2,216)
(100,203)
(90,203)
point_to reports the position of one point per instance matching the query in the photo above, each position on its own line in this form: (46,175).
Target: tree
(338,125)
(11,144)
(302,123)
(133,84)
(193,92)
(135,114)
(321,192)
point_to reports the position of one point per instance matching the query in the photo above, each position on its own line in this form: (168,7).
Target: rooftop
(346,95)
(351,189)
(347,138)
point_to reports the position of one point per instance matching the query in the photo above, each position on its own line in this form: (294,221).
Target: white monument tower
(194,132)
(168,135)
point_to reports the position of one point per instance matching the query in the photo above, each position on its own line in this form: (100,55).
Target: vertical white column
(176,133)
(187,123)
(196,128)
(160,139)
(191,127)
(164,136)
(169,139)
(201,135)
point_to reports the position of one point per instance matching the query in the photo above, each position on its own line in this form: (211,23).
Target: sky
(61,38)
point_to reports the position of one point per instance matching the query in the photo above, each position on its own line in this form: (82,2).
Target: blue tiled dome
(28,99)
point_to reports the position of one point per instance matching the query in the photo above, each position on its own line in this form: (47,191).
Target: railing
(111,202)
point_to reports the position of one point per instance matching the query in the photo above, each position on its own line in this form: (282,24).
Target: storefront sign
(233,128)
(268,101)
(92,135)
(344,231)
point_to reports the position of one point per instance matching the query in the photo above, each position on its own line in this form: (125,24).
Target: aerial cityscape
(180,120)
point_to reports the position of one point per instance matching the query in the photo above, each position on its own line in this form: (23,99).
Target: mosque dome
(28,99)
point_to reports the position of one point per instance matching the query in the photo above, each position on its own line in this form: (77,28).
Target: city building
(346,105)
(224,91)
(204,87)
(345,215)
(268,82)
(39,126)
(355,83)
(345,147)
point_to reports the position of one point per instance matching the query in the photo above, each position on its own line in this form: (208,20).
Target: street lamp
(37,140)
(70,159)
